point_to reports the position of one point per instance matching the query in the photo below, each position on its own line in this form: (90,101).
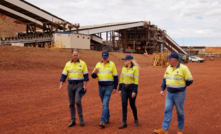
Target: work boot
(102,125)
(160,131)
(123,125)
(180,131)
(136,123)
(107,121)
(82,122)
(72,124)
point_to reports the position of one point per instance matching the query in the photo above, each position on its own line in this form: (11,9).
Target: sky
(188,22)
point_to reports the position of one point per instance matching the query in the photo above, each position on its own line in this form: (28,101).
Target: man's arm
(63,77)
(163,86)
(94,73)
(115,75)
(61,86)
(188,77)
(86,79)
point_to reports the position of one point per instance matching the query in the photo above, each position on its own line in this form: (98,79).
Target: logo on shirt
(80,66)
(132,69)
(108,66)
(177,71)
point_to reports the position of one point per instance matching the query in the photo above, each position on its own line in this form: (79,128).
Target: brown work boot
(123,125)
(160,131)
(102,125)
(180,131)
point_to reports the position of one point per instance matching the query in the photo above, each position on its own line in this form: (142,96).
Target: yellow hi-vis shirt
(75,72)
(107,74)
(177,79)
(129,76)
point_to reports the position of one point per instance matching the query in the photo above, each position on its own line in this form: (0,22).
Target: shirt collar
(107,61)
(178,66)
(130,66)
(77,60)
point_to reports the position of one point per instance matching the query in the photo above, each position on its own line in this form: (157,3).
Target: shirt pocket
(167,74)
(179,79)
(79,69)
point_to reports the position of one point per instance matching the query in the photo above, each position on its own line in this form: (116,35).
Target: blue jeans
(105,94)
(176,99)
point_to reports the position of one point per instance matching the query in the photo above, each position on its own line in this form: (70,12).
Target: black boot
(136,122)
(82,122)
(72,124)
(123,125)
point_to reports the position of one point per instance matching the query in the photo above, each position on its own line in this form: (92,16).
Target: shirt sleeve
(121,80)
(188,77)
(64,74)
(163,86)
(136,80)
(85,72)
(115,75)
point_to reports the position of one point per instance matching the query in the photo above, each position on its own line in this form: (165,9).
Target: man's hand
(119,93)
(162,93)
(133,95)
(96,70)
(85,87)
(60,88)
(114,91)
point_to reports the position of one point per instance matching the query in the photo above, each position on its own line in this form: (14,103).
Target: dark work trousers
(75,98)
(126,93)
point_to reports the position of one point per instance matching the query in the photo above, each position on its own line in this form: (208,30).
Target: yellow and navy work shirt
(107,74)
(176,80)
(76,72)
(129,76)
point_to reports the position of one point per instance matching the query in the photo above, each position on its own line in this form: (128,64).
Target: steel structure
(32,16)
(137,37)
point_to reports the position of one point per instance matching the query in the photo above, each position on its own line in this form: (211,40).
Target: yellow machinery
(159,60)
(54,45)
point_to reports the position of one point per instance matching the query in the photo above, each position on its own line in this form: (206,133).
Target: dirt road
(32,103)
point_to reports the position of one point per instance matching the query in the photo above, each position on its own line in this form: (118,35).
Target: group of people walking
(176,78)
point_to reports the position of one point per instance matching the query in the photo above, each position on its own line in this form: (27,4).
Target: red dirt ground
(31,102)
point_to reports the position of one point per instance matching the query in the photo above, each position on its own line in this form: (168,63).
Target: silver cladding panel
(20,15)
(110,28)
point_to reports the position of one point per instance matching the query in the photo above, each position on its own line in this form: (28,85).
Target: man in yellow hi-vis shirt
(176,78)
(77,73)
(106,73)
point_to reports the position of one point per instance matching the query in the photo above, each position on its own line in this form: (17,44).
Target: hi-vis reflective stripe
(190,79)
(136,76)
(75,71)
(85,72)
(105,72)
(75,78)
(176,86)
(105,80)
(173,78)
(64,73)
(128,82)
(115,74)
(131,75)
